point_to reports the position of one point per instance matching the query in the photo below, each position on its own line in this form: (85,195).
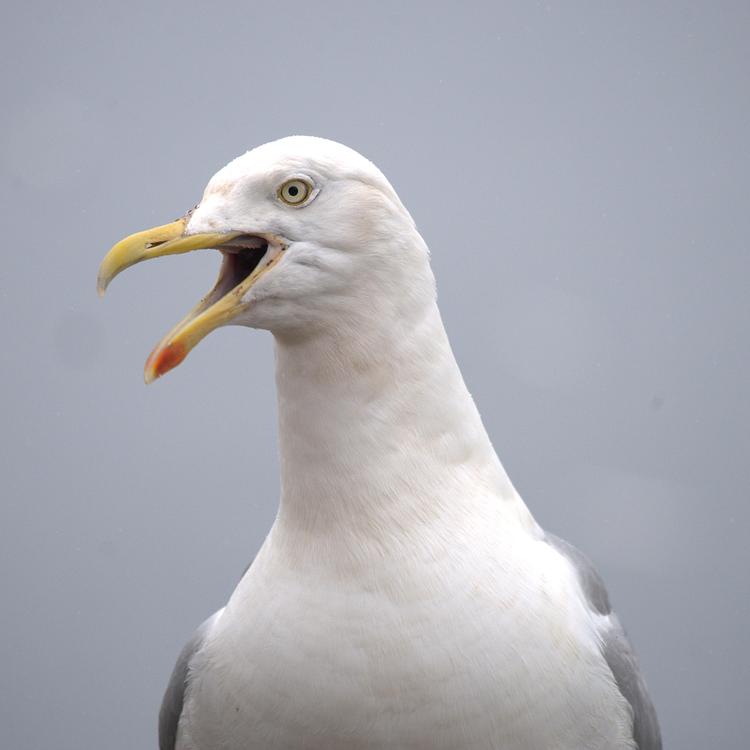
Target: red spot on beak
(164,359)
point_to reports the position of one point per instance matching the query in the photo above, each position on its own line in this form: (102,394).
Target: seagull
(405,597)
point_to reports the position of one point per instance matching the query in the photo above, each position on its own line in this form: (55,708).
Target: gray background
(581,173)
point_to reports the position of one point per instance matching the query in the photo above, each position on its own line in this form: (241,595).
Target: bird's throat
(378,433)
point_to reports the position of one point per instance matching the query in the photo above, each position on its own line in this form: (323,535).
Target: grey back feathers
(174,696)
(616,649)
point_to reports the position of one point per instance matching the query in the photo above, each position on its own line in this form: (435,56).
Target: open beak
(247,257)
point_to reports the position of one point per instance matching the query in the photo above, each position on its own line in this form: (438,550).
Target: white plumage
(405,597)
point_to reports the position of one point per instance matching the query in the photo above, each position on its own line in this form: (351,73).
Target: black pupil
(293,190)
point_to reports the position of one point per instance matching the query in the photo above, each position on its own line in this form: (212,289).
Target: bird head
(312,235)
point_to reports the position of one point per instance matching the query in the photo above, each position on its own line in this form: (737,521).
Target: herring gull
(404,597)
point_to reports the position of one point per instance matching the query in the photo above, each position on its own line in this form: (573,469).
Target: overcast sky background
(581,173)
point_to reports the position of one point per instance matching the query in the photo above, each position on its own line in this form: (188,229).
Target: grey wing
(616,649)
(174,696)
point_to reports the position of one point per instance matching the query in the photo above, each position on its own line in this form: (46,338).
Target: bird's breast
(454,653)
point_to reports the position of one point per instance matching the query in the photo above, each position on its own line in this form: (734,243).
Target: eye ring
(295,192)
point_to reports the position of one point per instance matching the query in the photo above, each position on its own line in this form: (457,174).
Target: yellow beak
(217,308)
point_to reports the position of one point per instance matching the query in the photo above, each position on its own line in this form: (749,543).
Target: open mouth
(246,258)
(241,256)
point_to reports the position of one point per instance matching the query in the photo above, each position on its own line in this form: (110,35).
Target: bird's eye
(294,192)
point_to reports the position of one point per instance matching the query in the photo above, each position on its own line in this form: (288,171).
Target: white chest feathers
(487,648)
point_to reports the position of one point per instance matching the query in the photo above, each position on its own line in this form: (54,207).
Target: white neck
(378,434)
